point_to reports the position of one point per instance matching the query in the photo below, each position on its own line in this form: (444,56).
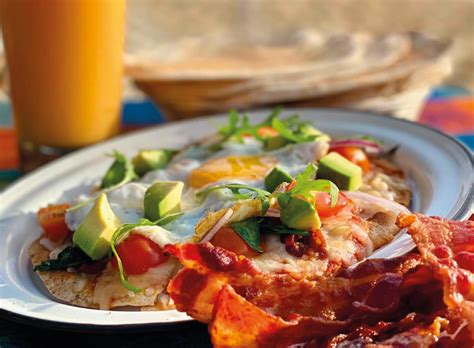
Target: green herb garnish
(270,226)
(305,185)
(292,128)
(249,230)
(122,232)
(70,257)
(120,172)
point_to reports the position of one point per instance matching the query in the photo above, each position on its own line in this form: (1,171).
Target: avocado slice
(308,130)
(163,198)
(345,174)
(300,214)
(147,160)
(275,178)
(95,232)
(276,142)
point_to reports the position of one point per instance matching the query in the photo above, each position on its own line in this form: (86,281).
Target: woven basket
(389,74)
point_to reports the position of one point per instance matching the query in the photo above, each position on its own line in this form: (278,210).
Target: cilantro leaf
(120,172)
(249,230)
(122,232)
(70,257)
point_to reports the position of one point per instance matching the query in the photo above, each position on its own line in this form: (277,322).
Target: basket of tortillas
(390,74)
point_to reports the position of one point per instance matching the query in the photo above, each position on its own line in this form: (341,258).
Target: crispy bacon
(238,323)
(417,300)
(195,288)
(447,247)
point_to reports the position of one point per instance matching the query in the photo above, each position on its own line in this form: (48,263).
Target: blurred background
(152,23)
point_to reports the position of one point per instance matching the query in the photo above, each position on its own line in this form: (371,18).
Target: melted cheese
(162,236)
(347,239)
(109,291)
(277,260)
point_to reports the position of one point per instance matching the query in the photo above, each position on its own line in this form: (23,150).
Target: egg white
(126,201)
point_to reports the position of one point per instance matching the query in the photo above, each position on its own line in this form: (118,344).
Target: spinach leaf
(120,172)
(267,225)
(70,257)
(249,230)
(122,232)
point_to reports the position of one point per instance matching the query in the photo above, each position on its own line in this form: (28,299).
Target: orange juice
(65,67)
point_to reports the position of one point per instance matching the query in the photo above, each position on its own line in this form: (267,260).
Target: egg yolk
(231,168)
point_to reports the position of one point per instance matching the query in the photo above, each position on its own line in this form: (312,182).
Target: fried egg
(237,162)
(245,163)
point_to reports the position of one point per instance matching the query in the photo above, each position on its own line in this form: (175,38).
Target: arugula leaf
(230,128)
(120,172)
(295,130)
(305,185)
(285,131)
(236,190)
(122,232)
(70,257)
(292,128)
(249,230)
(239,125)
(268,225)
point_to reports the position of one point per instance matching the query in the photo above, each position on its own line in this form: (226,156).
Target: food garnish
(120,172)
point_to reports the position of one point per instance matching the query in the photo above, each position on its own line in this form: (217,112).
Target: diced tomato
(267,132)
(228,239)
(291,185)
(355,155)
(53,223)
(323,204)
(138,254)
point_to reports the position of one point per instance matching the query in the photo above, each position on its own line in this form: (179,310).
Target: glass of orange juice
(64,61)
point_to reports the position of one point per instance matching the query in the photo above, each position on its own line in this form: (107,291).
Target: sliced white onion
(385,203)
(273,212)
(222,221)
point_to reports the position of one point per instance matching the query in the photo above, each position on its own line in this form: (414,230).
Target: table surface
(447,109)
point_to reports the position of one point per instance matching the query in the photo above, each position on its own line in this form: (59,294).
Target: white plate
(439,167)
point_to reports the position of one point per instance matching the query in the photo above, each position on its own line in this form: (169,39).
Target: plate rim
(462,211)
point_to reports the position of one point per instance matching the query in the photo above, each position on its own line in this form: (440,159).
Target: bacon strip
(447,247)
(195,288)
(260,329)
(410,301)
